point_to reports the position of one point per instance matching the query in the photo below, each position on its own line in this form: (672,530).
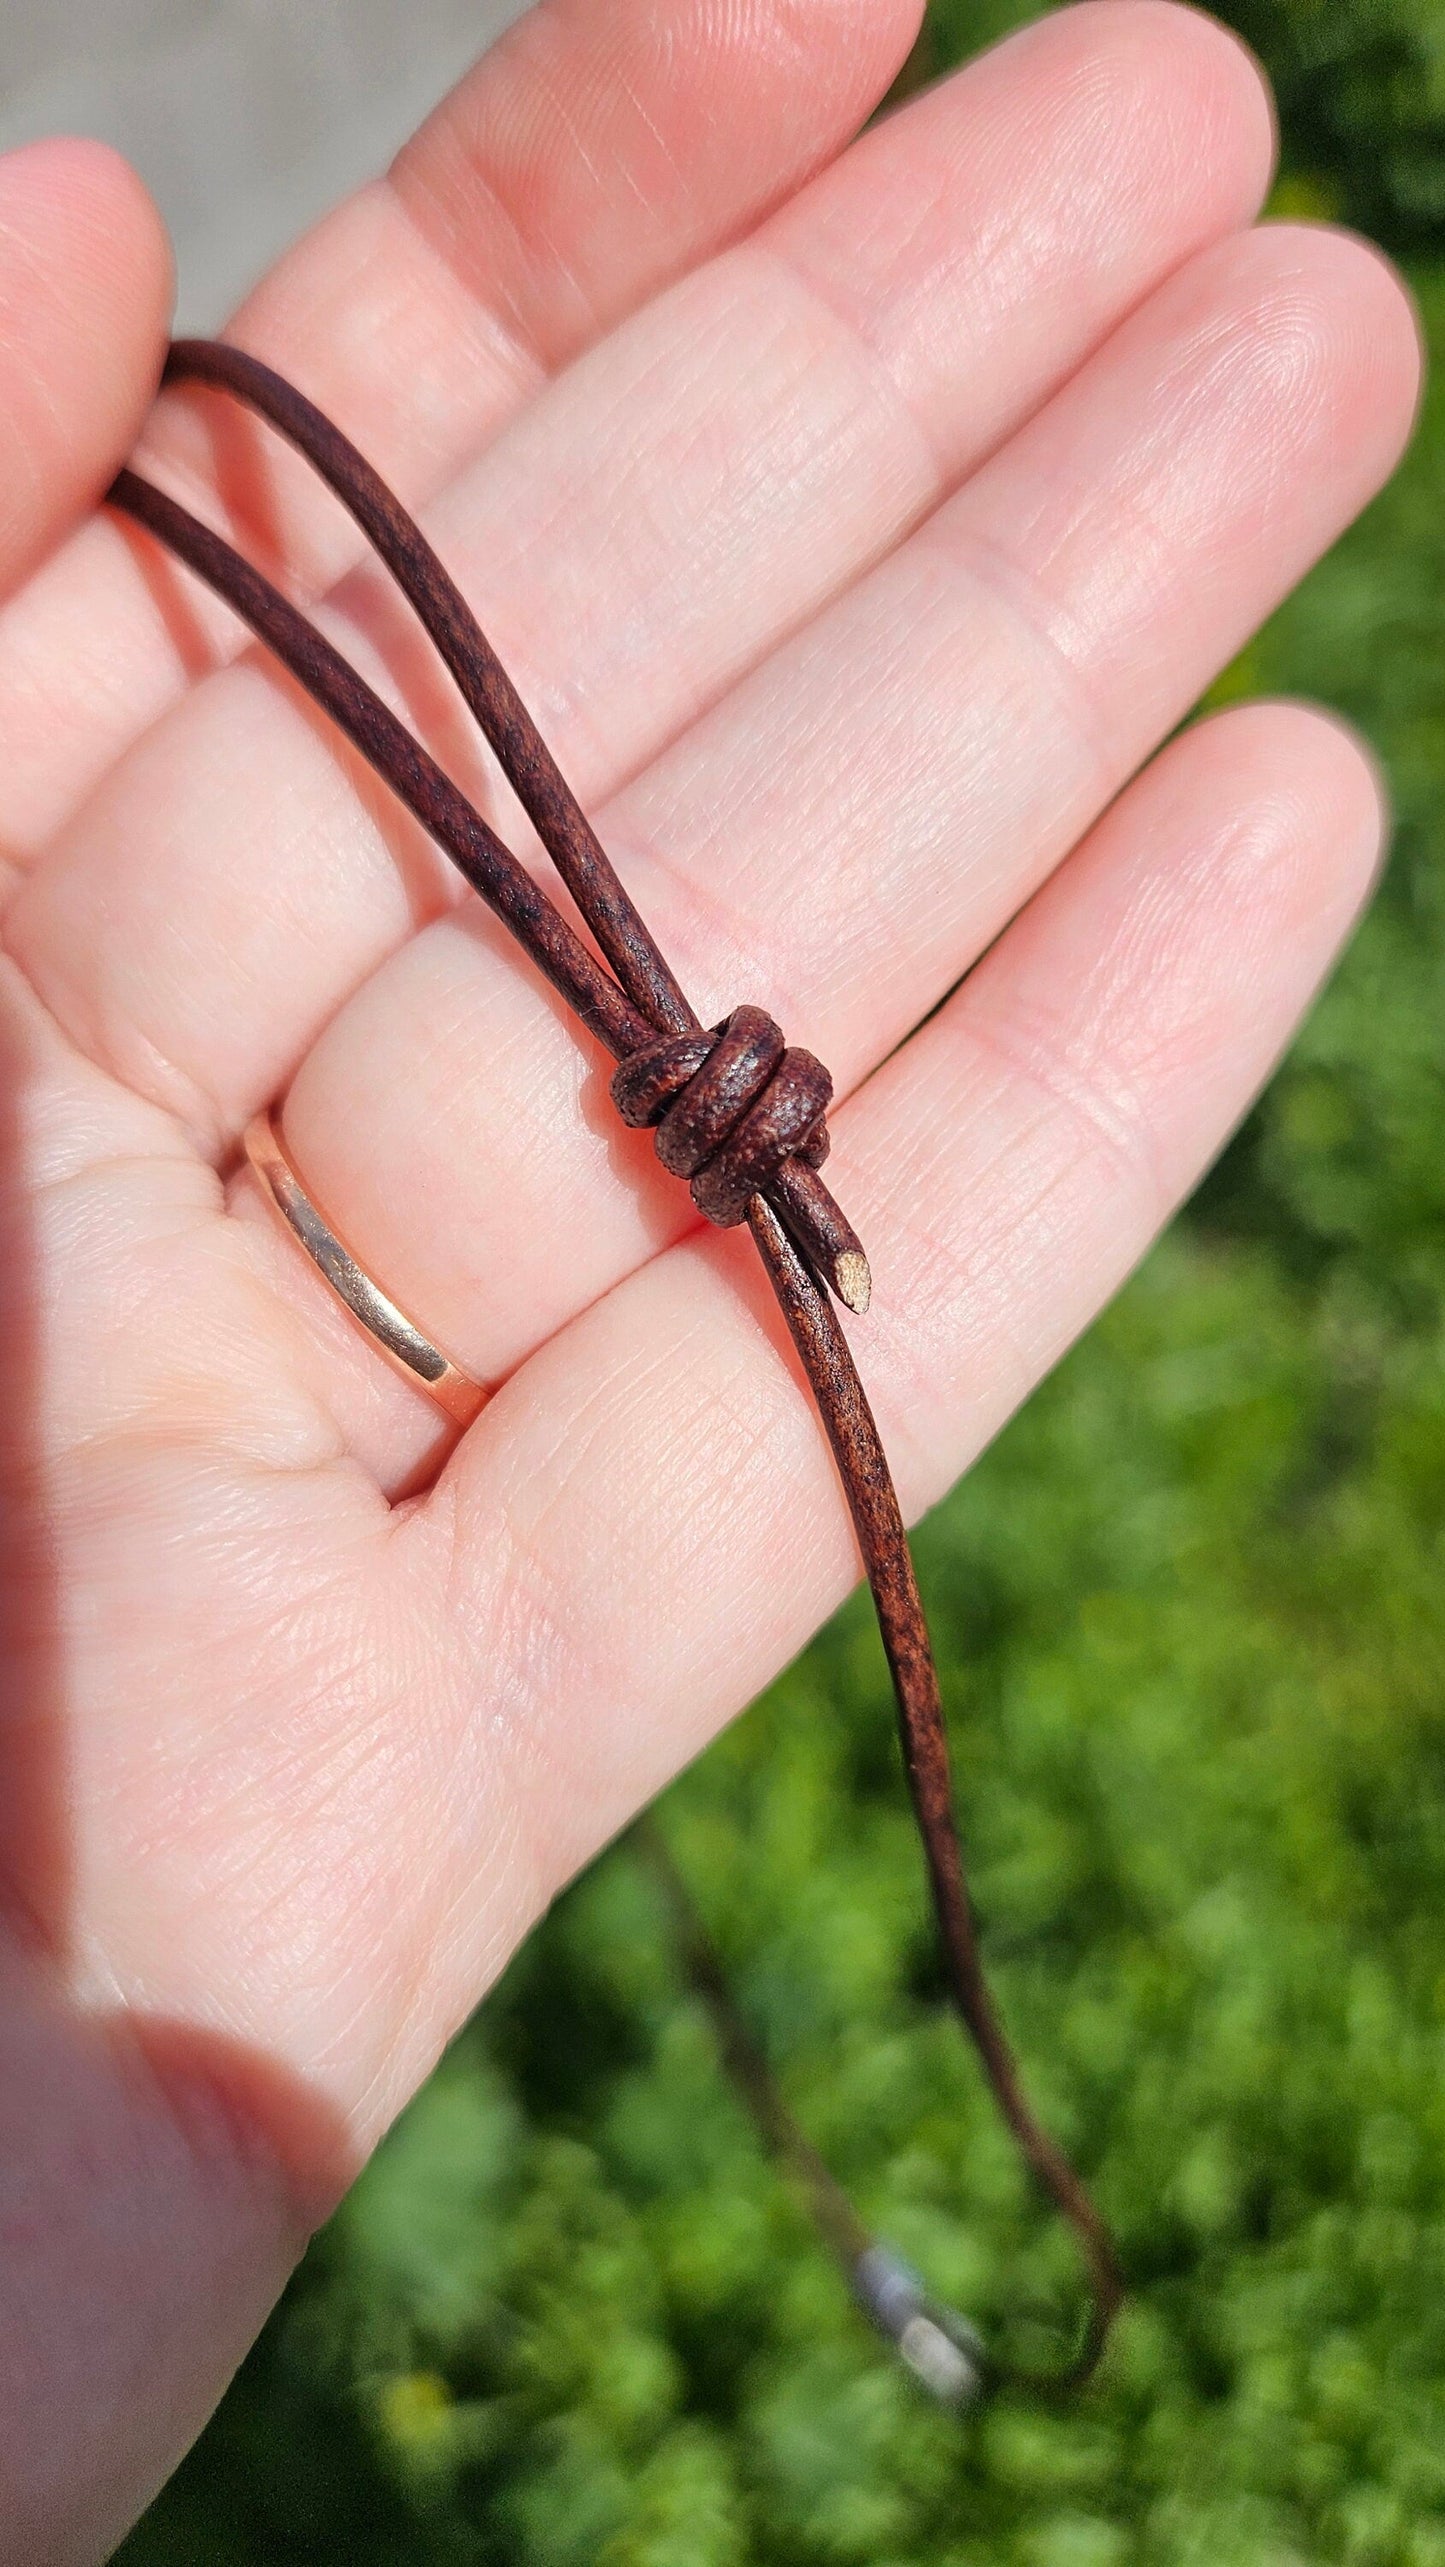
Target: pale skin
(858,519)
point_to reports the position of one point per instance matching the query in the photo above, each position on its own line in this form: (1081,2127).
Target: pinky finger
(657,1466)
(1033,1140)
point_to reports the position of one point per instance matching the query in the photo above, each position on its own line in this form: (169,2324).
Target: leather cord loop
(740,1117)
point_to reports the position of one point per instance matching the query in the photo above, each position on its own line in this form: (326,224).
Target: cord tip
(852,1280)
(940,2348)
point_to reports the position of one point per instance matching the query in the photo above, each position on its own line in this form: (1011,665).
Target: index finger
(598,150)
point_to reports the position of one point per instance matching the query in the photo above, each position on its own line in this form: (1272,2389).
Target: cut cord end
(852,1280)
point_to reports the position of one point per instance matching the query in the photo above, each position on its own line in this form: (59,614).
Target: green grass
(1191,1610)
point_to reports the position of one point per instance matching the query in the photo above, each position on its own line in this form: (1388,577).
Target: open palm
(856,527)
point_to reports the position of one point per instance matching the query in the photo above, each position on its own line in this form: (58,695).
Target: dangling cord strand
(742,1117)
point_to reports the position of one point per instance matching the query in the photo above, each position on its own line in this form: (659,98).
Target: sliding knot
(730,1105)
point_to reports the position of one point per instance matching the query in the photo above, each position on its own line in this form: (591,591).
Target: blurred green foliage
(1361,91)
(1192,1616)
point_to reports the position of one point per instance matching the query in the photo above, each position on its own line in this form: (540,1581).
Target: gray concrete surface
(246,117)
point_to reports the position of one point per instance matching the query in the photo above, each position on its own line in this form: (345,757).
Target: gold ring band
(406,1347)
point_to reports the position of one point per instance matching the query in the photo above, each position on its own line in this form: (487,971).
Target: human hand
(852,571)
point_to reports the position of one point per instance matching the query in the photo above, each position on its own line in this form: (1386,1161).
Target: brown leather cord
(657,1003)
(740,1116)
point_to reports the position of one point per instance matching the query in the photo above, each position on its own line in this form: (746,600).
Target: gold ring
(406,1347)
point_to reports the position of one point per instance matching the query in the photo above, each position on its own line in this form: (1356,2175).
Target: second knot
(730,1105)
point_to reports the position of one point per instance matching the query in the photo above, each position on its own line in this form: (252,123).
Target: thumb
(85,283)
